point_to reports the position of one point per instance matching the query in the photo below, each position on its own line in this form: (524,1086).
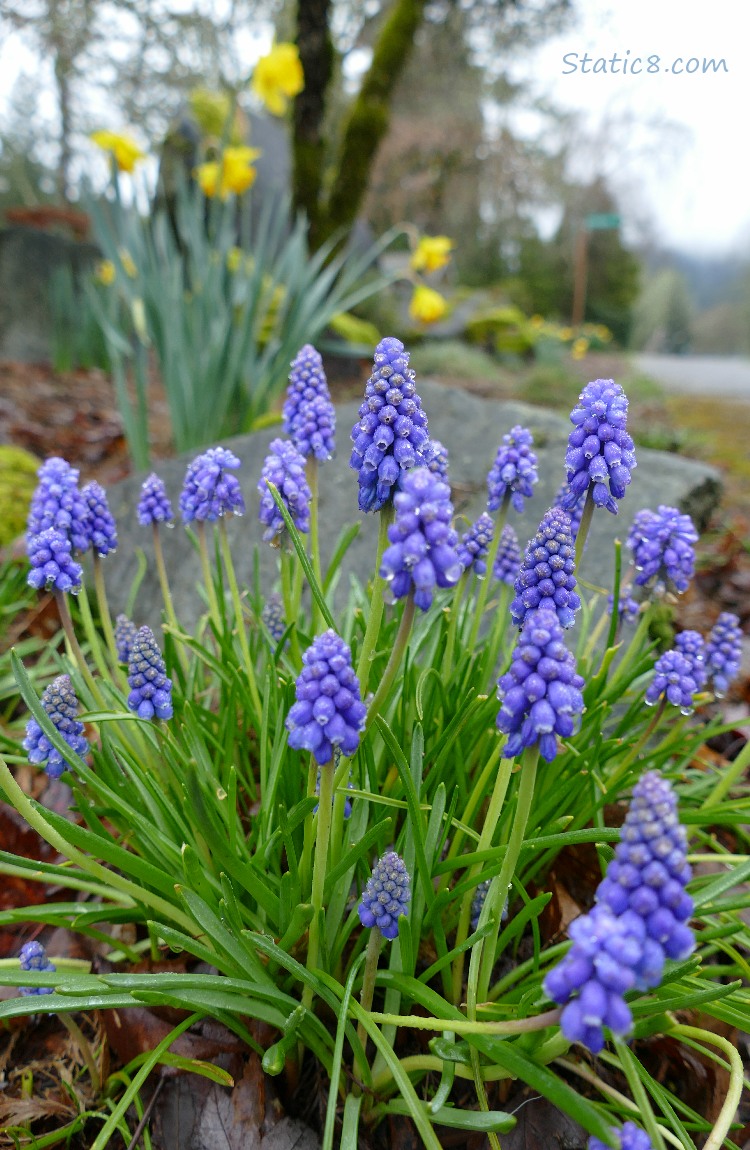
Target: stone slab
(470,427)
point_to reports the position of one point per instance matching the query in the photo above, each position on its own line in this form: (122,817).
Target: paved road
(724,376)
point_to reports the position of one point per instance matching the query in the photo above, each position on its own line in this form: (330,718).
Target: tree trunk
(316,55)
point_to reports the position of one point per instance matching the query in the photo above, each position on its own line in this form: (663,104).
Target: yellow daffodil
(234,259)
(105,272)
(432,253)
(128,265)
(537,321)
(277,77)
(579,348)
(427,306)
(124,151)
(565,334)
(233,175)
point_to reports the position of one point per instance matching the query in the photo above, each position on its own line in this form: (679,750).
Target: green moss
(18,480)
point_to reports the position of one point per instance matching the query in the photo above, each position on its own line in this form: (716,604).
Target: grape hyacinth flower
(125,633)
(546,576)
(285,468)
(628,608)
(100,522)
(675,679)
(210,491)
(307,381)
(273,616)
(514,471)
(154,505)
(478,901)
(314,432)
(57,503)
(472,549)
(423,544)
(52,567)
(563,497)
(386,896)
(391,433)
(328,712)
(724,652)
(33,956)
(630,1136)
(662,543)
(435,457)
(691,644)
(541,692)
(150,689)
(60,703)
(508,558)
(601,454)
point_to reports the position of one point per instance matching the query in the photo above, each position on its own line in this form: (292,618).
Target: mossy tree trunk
(317,57)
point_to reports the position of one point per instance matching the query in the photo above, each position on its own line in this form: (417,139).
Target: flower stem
(721,1127)
(312,482)
(458,598)
(376,604)
(484,586)
(208,579)
(102,601)
(75,649)
(239,619)
(399,646)
(161,570)
(368,979)
(91,633)
(583,529)
(319,872)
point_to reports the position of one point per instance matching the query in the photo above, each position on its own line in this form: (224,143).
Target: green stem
(312,480)
(627,762)
(500,622)
(161,570)
(399,646)
(585,524)
(376,604)
(724,1121)
(287,594)
(104,612)
(208,579)
(368,979)
(91,633)
(325,804)
(730,775)
(75,649)
(458,598)
(492,551)
(501,1026)
(479,792)
(239,619)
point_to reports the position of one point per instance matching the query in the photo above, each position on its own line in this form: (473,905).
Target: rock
(470,427)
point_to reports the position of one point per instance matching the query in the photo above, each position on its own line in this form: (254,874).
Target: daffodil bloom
(579,348)
(105,272)
(537,321)
(128,264)
(565,334)
(432,253)
(277,77)
(427,305)
(234,174)
(234,259)
(124,150)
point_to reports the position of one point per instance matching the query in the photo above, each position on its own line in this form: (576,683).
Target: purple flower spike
(675,678)
(474,544)
(328,712)
(508,558)
(125,633)
(546,576)
(478,901)
(273,616)
(386,896)
(514,470)
(631,1138)
(60,702)
(724,652)
(100,523)
(692,646)
(423,553)
(52,568)
(33,956)
(150,689)
(285,468)
(314,432)
(435,456)
(391,433)
(662,543)
(154,505)
(307,381)
(628,608)
(57,503)
(541,693)
(600,452)
(210,490)
(564,499)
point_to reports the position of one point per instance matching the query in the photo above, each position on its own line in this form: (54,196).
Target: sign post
(596,222)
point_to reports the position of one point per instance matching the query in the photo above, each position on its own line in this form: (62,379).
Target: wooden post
(580,275)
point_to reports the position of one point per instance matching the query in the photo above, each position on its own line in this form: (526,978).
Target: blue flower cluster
(639,920)
(210,491)
(273,616)
(662,543)
(52,566)
(57,503)
(125,633)
(150,689)
(33,956)
(541,692)
(435,456)
(691,644)
(724,652)
(572,504)
(386,896)
(328,712)
(309,415)
(154,505)
(600,454)
(391,433)
(285,468)
(676,678)
(508,559)
(628,608)
(472,549)
(423,552)
(631,1137)
(514,471)
(546,576)
(100,523)
(60,702)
